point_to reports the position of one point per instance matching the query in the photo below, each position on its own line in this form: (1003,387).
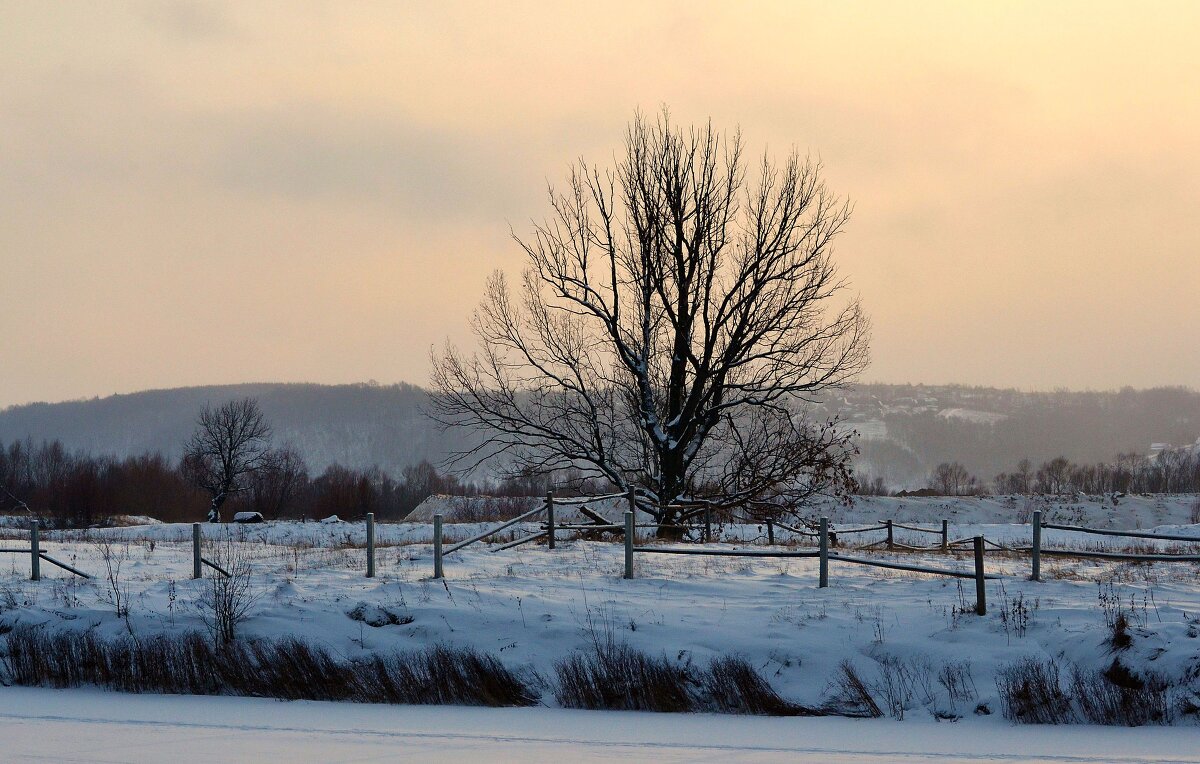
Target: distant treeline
(1169,471)
(80,489)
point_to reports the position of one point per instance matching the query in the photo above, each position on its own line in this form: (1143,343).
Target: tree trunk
(214,509)
(669,525)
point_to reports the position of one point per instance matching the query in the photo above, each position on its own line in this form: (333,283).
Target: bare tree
(671,326)
(229,446)
(275,487)
(952,479)
(1053,477)
(226,599)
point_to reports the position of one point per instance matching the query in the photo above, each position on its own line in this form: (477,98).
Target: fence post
(890,538)
(35,552)
(370,545)
(437,546)
(980,591)
(197,570)
(823,545)
(945,536)
(708,525)
(770,531)
(629,529)
(550,521)
(1037,545)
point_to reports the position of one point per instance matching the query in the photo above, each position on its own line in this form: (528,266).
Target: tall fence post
(197,570)
(35,552)
(437,546)
(770,531)
(1037,545)
(980,591)
(708,525)
(823,545)
(550,521)
(629,529)
(890,537)
(945,536)
(370,545)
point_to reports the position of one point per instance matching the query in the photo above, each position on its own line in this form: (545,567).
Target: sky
(219,192)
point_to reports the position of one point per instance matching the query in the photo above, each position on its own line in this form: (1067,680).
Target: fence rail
(550,528)
(1036,551)
(37,554)
(721,552)
(825,536)
(1130,534)
(1123,556)
(493,531)
(823,555)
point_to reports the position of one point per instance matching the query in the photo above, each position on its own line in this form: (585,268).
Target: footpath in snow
(90,726)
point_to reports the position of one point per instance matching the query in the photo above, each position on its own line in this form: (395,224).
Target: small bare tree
(228,593)
(229,446)
(116,594)
(672,324)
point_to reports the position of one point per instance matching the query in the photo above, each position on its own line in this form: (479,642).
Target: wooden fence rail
(824,537)
(550,528)
(1036,551)
(1130,534)
(823,555)
(37,554)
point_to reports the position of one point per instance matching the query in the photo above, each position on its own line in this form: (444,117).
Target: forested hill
(906,429)
(353,425)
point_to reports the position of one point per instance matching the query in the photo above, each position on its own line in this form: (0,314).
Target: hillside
(353,425)
(905,430)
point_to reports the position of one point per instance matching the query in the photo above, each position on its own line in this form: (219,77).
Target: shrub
(617,677)
(958,682)
(445,675)
(1118,696)
(225,601)
(732,686)
(1031,693)
(851,696)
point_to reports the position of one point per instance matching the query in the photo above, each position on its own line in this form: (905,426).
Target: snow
(973,415)
(870,429)
(456,509)
(82,725)
(531,607)
(1124,512)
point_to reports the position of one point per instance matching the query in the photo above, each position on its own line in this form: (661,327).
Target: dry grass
(1031,692)
(289,669)
(1118,696)
(616,677)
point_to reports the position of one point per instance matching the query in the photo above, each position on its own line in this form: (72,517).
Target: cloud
(309,153)
(189,20)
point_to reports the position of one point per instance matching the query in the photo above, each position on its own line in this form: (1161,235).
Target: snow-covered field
(1101,511)
(531,607)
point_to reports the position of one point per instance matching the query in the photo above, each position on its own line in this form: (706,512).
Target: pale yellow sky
(209,192)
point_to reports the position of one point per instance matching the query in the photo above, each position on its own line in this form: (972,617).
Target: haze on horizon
(219,192)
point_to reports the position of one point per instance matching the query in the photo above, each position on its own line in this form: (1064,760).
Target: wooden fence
(1037,550)
(823,555)
(37,554)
